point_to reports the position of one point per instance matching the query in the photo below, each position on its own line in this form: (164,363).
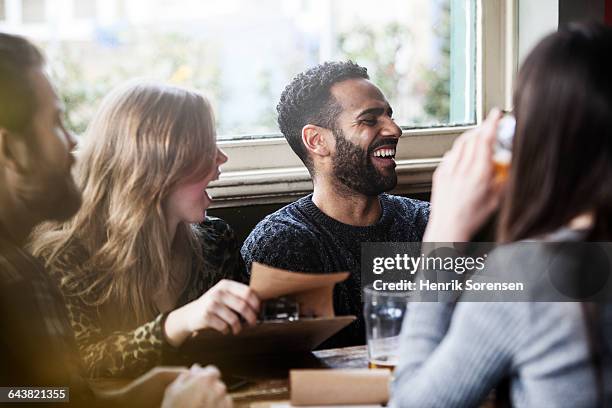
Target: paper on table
(339,387)
(313,291)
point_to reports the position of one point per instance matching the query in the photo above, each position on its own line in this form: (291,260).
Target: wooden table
(265,380)
(260,392)
(273,386)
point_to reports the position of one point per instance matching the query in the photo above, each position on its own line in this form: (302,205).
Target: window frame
(39,19)
(262,171)
(265,171)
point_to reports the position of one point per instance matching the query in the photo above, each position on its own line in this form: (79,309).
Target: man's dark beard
(353,167)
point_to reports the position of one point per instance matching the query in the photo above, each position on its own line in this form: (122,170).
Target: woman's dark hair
(562,153)
(17,98)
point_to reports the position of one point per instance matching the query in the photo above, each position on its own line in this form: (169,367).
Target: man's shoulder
(284,239)
(15,264)
(9,274)
(407,212)
(400,203)
(291,221)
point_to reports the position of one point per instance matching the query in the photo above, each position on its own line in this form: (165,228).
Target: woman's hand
(172,387)
(220,308)
(464,193)
(200,387)
(145,391)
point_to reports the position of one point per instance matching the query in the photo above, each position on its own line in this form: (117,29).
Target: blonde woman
(140,266)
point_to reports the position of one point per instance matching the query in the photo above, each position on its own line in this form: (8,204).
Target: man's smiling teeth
(384,153)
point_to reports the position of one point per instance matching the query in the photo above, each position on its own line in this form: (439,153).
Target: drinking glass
(502,154)
(384,313)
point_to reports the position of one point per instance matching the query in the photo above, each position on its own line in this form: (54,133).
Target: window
(85,9)
(282,177)
(242,53)
(440,63)
(33,11)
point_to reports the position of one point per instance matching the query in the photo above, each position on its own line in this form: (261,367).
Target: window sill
(245,180)
(253,187)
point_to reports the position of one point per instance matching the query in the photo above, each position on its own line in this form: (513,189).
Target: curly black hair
(307,100)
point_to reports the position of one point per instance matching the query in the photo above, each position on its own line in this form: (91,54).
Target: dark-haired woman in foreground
(554,354)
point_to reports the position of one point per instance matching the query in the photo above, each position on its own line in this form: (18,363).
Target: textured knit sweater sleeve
(454,356)
(456,364)
(541,346)
(281,244)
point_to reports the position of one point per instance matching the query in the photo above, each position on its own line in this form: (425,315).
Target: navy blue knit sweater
(299,237)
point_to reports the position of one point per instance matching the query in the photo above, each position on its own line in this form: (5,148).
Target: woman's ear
(14,152)
(315,138)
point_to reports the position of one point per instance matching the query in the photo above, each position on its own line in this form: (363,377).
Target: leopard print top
(130,353)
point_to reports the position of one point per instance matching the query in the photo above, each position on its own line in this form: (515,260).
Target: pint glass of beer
(384,313)
(502,154)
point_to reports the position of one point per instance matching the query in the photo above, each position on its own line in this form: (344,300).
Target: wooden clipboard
(314,293)
(267,338)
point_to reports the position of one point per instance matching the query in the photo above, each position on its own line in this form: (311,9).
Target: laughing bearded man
(341,126)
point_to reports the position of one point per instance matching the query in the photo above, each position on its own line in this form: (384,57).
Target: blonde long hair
(143,141)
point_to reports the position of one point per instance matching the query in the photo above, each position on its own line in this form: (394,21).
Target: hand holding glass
(502,154)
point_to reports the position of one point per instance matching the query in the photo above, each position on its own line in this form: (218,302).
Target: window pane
(85,9)
(33,11)
(242,53)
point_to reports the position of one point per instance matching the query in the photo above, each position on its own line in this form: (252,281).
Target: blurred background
(241,53)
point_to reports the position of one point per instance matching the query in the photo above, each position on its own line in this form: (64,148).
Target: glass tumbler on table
(384,313)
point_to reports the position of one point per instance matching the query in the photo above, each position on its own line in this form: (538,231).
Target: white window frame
(267,171)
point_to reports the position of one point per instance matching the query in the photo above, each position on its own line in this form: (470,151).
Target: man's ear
(315,138)
(14,153)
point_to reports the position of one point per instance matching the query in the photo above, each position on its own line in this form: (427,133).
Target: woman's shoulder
(67,266)
(541,246)
(214,229)
(217,240)
(69,256)
(220,255)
